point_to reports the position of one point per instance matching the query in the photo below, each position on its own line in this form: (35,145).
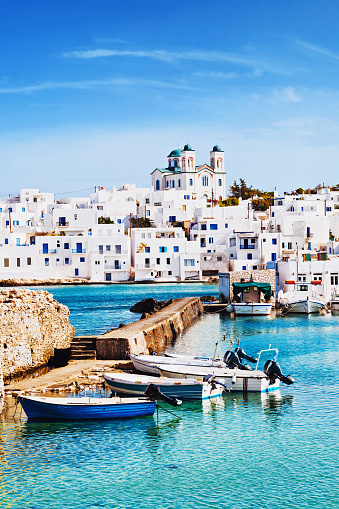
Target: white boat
(334,303)
(250,308)
(238,379)
(136,385)
(150,363)
(301,298)
(247,299)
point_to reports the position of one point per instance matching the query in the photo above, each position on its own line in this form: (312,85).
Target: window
(169,272)
(158,261)
(172,219)
(334,280)
(6,262)
(162,249)
(82,259)
(66,245)
(283,245)
(147,249)
(255,267)
(23,209)
(0,209)
(274,241)
(29,261)
(252,241)
(58,243)
(66,261)
(210,240)
(213,226)
(289,245)
(179,183)
(119,221)
(244,267)
(205,181)
(264,240)
(148,213)
(147,201)
(117,264)
(273,257)
(46,262)
(191,182)
(167,184)
(75,217)
(226,225)
(317,277)
(272,214)
(219,182)
(10,209)
(108,276)
(18,262)
(176,249)
(7,223)
(204,226)
(6,241)
(76,272)
(232,242)
(249,256)
(147,262)
(186,196)
(189,262)
(219,258)
(157,185)
(168,261)
(302,288)
(108,248)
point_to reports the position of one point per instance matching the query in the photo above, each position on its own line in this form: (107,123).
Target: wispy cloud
(217,75)
(170,57)
(287,95)
(91,84)
(318,49)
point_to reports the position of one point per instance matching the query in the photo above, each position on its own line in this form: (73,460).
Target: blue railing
(47,251)
(79,251)
(249,246)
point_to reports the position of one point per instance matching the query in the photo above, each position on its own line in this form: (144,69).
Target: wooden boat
(136,385)
(250,308)
(85,407)
(247,299)
(301,299)
(149,363)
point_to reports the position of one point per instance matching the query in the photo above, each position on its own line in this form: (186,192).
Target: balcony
(141,266)
(113,267)
(111,252)
(248,246)
(78,251)
(63,224)
(47,251)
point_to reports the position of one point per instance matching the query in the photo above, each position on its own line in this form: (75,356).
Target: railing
(112,267)
(249,246)
(202,244)
(66,223)
(79,251)
(47,251)
(111,252)
(143,266)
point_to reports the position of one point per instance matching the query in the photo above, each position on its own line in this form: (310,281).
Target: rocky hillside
(33,325)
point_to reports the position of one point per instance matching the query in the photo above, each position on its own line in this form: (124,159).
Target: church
(182,174)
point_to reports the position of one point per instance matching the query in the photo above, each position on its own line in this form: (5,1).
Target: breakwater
(151,334)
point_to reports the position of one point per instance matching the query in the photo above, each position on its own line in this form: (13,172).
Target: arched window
(169,163)
(219,163)
(157,185)
(219,182)
(212,162)
(175,163)
(190,162)
(179,183)
(173,184)
(183,163)
(191,182)
(205,181)
(167,184)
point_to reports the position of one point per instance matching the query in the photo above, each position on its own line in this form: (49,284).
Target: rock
(208,298)
(149,306)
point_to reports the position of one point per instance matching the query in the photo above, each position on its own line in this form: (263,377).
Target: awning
(264,288)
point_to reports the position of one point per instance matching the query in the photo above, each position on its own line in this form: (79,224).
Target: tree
(229,202)
(140,222)
(105,220)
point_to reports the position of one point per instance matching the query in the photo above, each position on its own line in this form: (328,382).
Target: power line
(78,191)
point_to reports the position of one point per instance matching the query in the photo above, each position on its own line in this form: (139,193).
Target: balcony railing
(66,223)
(47,251)
(249,246)
(79,251)
(111,252)
(112,267)
(143,266)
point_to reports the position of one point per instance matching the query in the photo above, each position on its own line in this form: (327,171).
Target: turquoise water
(264,451)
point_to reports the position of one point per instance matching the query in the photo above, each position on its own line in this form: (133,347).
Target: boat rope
(168,411)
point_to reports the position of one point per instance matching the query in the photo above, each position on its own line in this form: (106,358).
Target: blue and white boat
(136,385)
(36,407)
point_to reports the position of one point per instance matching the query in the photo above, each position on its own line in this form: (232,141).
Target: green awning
(264,288)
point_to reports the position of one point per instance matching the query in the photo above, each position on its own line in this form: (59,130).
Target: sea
(277,450)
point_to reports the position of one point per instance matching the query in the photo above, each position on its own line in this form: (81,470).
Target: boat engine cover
(273,371)
(232,360)
(243,355)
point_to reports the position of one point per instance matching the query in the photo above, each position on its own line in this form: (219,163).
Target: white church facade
(182,174)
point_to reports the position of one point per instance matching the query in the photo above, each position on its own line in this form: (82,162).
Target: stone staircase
(83,348)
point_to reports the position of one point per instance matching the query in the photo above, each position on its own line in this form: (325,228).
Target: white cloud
(318,49)
(287,94)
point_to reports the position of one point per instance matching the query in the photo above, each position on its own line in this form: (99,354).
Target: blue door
(79,247)
(76,272)
(45,248)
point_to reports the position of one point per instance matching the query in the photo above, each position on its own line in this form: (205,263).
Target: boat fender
(273,371)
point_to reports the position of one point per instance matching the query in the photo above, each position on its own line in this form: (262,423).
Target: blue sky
(98,92)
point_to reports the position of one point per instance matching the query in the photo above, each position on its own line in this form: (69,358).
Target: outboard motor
(232,360)
(211,380)
(243,355)
(153,393)
(273,371)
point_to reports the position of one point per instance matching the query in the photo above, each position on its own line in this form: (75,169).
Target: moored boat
(36,407)
(136,385)
(247,299)
(301,298)
(250,308)
(149,363)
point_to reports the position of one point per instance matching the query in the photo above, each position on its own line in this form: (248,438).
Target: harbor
(291,427)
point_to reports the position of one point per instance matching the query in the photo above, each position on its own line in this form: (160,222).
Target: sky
(98,92)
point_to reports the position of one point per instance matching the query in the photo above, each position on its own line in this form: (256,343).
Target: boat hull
(237,380)
(306,306)
(149,363)
(135,385)
(251,309)
(85,408)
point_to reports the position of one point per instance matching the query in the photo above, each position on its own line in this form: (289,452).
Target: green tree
(140,222)
(105,220)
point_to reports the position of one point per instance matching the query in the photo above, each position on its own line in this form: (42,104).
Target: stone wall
(153,334)
(33,326)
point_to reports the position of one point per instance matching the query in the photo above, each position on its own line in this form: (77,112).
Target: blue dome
(175,153)
(188,147)
(216,148)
